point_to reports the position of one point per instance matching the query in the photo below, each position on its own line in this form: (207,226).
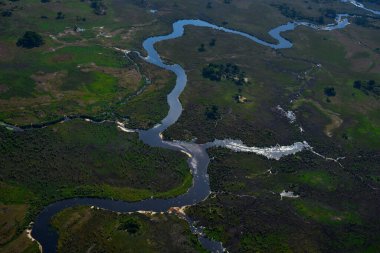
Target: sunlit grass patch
(366,130)
(11,194)
(318,179)
(324,213)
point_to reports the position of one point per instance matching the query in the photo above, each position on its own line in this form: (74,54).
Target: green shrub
(30,40)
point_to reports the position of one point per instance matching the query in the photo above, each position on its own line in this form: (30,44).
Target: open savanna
(77,72)
(335,210)
(293,78)
(83,229)
(81,73)
(269,83)
(344,56)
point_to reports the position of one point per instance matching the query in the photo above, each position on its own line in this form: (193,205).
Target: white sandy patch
(147,212)
(122,127)
(289,114)
(178,210)
(125,51)
(29,235)
(186,153)
(288,194)
(275,152)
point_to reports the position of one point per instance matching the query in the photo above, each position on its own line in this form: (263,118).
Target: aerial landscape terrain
(189,126)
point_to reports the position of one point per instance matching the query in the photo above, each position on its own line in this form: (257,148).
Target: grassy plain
(110,232)
(77,72)
(277,77)
(335,210)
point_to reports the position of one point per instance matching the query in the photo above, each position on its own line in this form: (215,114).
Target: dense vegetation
(369,87)
(292,13)
(68,157)
(82,159)
(330,91)
(219,72)
(212,112)
(247,191)
(30,39)
(99,7)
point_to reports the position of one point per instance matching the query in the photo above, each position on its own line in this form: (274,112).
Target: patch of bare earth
(62,58)
(336,122)
(355,45)
(3,88)
(5,52)
(10,216)
(128,78)
(48,82)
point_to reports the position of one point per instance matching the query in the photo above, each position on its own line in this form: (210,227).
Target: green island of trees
(30,40)
(219,72)
(368,87)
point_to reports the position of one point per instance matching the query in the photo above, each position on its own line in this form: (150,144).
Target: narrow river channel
(198,157)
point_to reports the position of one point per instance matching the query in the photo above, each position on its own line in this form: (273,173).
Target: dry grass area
(359,50)
(11,220)
(11,216)
(21,244)
(335,120)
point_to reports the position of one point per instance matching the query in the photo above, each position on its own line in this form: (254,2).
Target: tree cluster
(99,7)
(218,72)
(330,91)
(368,87)
(30,40)
(212,113)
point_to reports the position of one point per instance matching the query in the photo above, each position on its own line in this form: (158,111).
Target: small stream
(361,6)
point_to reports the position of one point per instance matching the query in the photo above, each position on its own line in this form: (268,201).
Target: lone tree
(30,40)
(60,15)
(330,91)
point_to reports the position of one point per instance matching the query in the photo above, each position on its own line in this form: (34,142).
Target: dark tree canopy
(212,113)
(369,87)
(229,71)
(99,7)
(30,40)
(330,91)
(130,225)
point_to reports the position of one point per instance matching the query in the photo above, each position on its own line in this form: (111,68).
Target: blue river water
(198,158)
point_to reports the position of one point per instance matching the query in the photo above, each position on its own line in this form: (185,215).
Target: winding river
(361,6)
(198,157)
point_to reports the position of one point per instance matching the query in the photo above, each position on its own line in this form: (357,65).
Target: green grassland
(252,121)
(111,232)
(76,73)
(126,24)
(319,59)
(45,83)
